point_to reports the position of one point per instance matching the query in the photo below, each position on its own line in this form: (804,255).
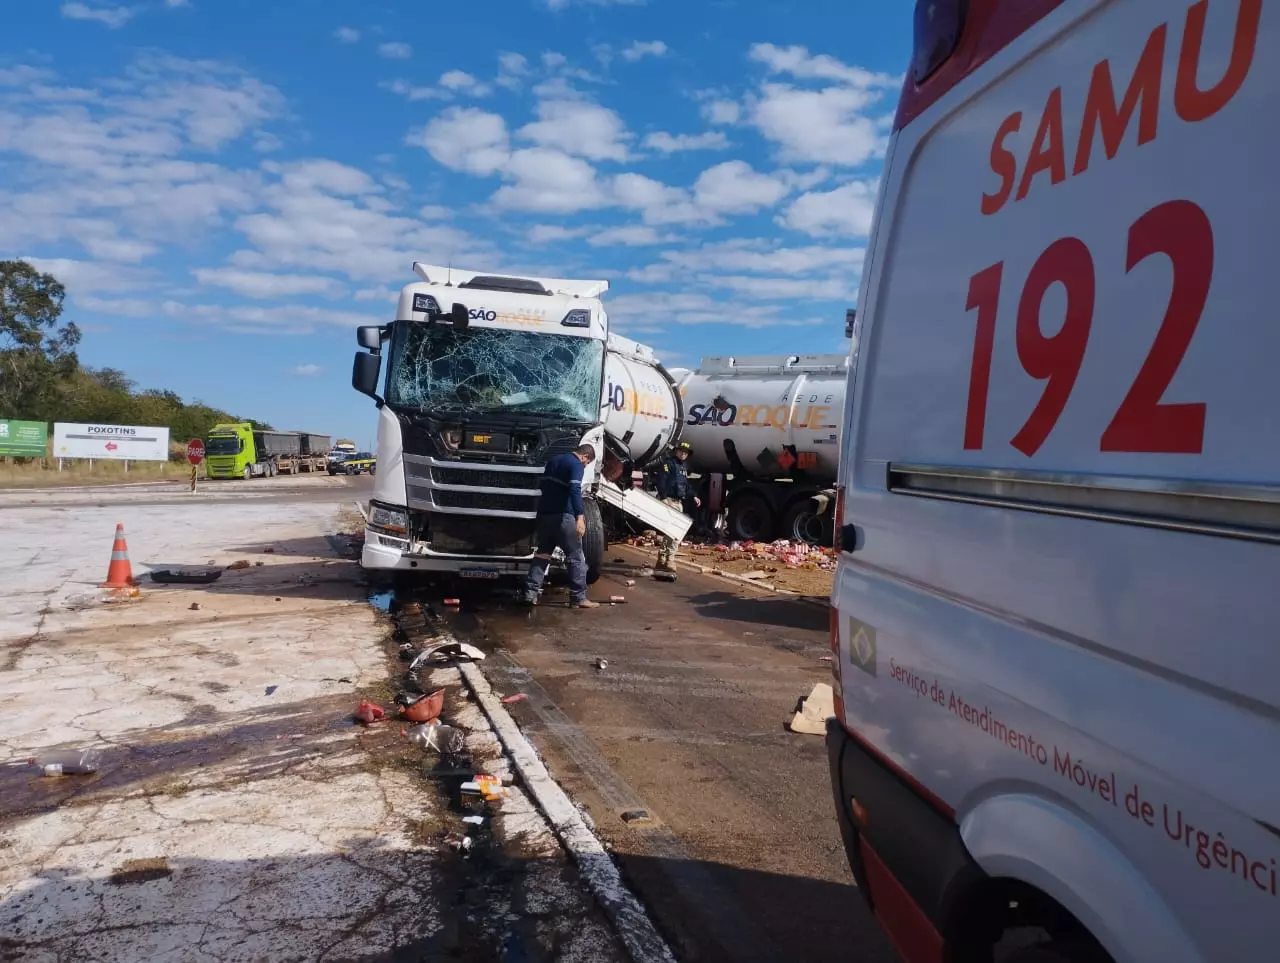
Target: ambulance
(1056,616)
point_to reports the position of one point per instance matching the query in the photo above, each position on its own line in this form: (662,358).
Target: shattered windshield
(483,370)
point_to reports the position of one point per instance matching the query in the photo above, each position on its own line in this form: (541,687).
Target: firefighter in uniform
(675,490)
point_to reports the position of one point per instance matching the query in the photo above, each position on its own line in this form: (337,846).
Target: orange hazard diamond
(786,460)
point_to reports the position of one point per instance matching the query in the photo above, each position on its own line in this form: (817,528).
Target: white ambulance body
(1057,607)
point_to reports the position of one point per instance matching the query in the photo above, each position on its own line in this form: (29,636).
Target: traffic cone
(119,572)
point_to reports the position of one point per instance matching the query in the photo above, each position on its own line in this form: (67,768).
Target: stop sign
(195,451)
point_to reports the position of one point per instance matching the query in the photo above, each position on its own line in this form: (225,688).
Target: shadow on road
(778,610)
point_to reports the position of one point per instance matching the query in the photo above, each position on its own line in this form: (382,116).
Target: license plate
(479,573)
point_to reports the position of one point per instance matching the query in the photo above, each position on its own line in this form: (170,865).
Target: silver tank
(763,403)
(642,410)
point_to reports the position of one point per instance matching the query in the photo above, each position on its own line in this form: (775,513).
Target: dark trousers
(552,532)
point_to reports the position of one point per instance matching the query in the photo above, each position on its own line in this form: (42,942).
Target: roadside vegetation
(41,379)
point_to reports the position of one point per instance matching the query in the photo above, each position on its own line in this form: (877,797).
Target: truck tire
(800,523)
(593,542)
(751,518)
(248,472)
(271,469)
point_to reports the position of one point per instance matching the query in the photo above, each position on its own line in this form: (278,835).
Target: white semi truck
(765,434)
(489,376)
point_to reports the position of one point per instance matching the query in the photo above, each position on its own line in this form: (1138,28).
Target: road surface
(740,858)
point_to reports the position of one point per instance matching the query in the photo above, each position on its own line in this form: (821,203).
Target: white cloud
(665,143)
(798,62)
(462,82)
(563,4)
(721,111)
(751,256)
(265,286)
(347,35)
(112,17)
(547,233)
(258,319)
(177,3)
(628,235)
(512,69)
(735,188)
(414,92)
(579,127)
(635,312)
(826,126)
(466,139)
(846,211)
(117,307)
(307,370)
(658,203)
(395,50)
(549,181)
(644,48)
(83,278)
(324,175)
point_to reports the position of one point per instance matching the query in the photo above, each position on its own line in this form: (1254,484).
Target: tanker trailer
(765,432)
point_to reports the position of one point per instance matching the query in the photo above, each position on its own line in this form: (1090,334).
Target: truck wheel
(593,543)
(271,470)
(248,472)
(802,524)
(751,518)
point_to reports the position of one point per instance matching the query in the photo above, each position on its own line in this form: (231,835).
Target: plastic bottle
(433,735)
(69,762)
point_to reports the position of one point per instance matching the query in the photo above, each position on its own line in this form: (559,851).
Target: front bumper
(386,553)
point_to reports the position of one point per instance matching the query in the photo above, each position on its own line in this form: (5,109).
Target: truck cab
(487,378)
(1058,695)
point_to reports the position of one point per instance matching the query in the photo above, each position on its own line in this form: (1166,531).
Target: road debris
(194,606)
(636,816)
(629,582)
(425,708)
(442,652)
(199,576)
(445,740)
(665,576)
(369,713)
(518,697)
(271,689)
(238,565)
(617,599)
(268,550)
(452,603)
(473,820)
(68,762)
(601,664)
(814,710)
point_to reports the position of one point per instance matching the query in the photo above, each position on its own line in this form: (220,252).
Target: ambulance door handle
(849,538)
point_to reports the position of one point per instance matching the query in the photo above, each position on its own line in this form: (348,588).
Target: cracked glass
(487,370)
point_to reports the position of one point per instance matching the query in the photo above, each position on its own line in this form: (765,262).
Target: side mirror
(459,315)
(850,316)
(369,336)
(364,374)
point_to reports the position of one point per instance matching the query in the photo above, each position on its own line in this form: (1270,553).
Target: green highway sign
(24,439)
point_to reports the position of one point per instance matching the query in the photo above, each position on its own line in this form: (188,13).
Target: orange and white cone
(119,572)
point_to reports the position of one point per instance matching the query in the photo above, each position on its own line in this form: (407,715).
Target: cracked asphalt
(238,812)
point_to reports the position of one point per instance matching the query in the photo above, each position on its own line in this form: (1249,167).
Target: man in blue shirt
(561,523)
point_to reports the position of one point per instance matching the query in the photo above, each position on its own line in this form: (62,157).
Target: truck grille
(469,534)
(484,478)
(498,503)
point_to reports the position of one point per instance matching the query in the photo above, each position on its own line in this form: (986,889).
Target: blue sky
(228,188)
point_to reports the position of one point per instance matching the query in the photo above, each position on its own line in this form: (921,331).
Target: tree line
(41,378)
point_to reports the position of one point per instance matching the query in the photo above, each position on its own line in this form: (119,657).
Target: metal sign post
(195,455)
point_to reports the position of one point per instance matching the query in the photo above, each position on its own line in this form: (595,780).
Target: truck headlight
(389,519)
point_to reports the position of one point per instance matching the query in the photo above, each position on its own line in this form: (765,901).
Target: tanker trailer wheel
(594,542)
(801,523)
(751,518)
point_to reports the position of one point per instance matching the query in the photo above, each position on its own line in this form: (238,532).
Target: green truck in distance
(240,451)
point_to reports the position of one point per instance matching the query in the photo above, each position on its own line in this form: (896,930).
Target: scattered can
(453,603)
(615,599)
